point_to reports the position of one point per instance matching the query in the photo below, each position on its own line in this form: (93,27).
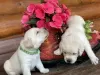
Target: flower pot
(51,44)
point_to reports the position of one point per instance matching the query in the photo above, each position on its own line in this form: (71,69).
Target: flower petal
(31,8)
(25,19)
(39,13)
(48,8)
(58,10)
(55,25)
(57,18)
(40,23)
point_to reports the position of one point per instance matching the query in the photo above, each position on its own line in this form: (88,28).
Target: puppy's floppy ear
(27,42)
(58,52)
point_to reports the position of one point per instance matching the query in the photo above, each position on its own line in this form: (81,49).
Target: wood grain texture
(10,25)
(15,6)
(88,11)
(9,45)
(96,24)
(77,2)
(5,57)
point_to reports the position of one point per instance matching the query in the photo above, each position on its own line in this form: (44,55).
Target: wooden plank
(15,6)
(13,36)
(69,2)
(9,45)
(88,11)
(10,25)
(96,24)
(5,57)
(77,2)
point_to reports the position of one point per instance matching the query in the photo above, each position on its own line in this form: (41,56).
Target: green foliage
(32,21)
(88,30)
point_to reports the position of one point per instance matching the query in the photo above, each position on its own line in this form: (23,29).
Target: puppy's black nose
(68,60)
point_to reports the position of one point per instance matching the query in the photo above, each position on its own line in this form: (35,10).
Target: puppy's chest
(33,58)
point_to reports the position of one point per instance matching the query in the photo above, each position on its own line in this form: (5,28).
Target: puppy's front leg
(41,67)
(25,70)
(90,53)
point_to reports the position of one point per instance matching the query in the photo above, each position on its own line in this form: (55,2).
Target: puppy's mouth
(69,61)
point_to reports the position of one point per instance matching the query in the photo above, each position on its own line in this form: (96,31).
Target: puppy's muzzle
(68,60)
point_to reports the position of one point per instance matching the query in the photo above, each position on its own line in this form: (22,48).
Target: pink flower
(57,21)
(55,24)
(40,23)
(39,12)
(64,17)
(43,24)
(57,18)
(28,13)
(65,13)
(66,10)
(48,8)
(58,10)
(31,8)
(25,25)
(64,6)
(25,19)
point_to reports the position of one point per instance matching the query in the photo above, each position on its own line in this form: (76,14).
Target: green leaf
(32,21)
(88,31)
(88,37)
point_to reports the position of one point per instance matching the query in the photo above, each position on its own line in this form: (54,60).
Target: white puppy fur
(74,42)
(22,62)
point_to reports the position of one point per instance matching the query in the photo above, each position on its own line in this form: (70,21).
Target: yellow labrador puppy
(28,55)
(74,42)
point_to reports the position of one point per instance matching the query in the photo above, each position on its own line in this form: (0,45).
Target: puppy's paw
(94,60)
(57,52)
(46,70)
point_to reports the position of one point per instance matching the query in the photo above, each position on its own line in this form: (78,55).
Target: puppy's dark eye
(74,53)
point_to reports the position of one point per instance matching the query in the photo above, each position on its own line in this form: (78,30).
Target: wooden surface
(88,11)
(14,6)
(78,2)
(11,31)
(10,25)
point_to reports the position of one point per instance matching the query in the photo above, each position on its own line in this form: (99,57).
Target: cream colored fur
(23,63)
(74,42)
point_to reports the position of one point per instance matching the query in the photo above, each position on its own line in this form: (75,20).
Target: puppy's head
(70,52)
(41,36)
(73,20)
(35,37)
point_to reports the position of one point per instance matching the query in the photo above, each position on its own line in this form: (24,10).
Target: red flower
(65,13)
(39,12)
(66,10)
(28,13)
(43,24)
(48,8)
(25,19)
(58,10)
(31,8)
(47,15)
(57,21)
(40,23)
